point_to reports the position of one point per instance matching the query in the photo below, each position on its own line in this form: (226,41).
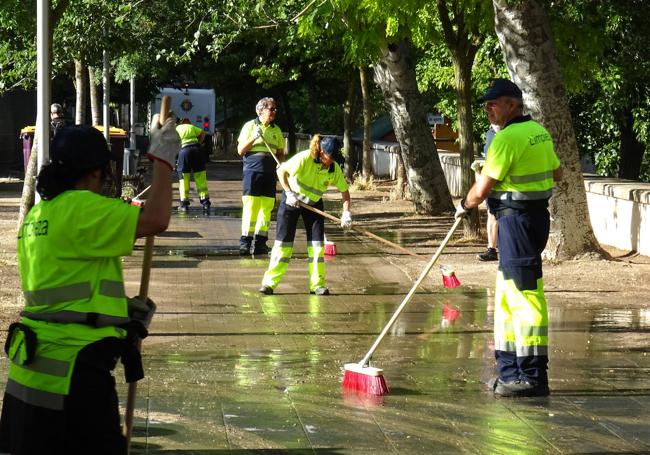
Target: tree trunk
(528,46)
(366,153)
(314,115)
(95,105)
(631,154)
(348,118)
(80,87)
(463,78)
(463,43)
(291,127)
(395,74)
(29,184)
(400,184)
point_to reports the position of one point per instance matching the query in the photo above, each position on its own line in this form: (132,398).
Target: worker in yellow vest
(517,179)
(191,161)
(60,396)
(259,180)
(305,177)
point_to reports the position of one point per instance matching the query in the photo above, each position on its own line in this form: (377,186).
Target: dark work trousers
(90,422)
(521,315)
(190,159)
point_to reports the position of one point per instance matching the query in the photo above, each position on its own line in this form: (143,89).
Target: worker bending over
(305,178)
(191,161)
(517,180)
(60,396)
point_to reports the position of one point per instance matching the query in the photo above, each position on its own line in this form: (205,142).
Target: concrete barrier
(620,212)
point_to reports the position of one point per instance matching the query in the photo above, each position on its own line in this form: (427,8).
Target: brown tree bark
(80,88)
(395,75)
(631,150)
(365,97)
(95,104)
(528,45)
(463,44)
(348,119)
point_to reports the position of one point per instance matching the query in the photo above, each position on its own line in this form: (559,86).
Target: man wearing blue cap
(305,178)
(517,180)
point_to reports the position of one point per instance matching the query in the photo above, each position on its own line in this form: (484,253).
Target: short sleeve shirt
(257,159)
(308,178)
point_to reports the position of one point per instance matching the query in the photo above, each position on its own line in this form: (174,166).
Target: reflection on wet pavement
(230,371)
(233,371)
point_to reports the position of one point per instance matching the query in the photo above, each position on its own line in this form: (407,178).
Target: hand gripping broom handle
(144,293)
(407,299)
(338,221)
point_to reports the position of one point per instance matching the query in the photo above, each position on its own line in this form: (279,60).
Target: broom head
(330,248)
(449,278)
(362,379)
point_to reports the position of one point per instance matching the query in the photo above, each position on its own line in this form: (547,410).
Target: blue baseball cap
(330,145)
(501,87)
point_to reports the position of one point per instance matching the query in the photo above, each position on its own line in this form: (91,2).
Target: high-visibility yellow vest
(188,133)
(522,160)
(309,180)
(69,254)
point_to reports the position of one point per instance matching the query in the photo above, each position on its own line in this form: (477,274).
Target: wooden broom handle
(143,295)
(338,221)
(414,288)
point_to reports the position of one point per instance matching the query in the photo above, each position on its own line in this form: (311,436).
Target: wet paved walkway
(233,371)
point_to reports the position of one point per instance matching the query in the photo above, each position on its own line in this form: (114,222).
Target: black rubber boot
(206,204)
(245,245)
(259,245)
(184,205)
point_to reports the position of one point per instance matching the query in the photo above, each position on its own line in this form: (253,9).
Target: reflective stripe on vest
(46,365)
(70,292)
(35,397)
(66,317)
(310,189)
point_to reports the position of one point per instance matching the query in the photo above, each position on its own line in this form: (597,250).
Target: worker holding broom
(305,178)
(60,396)
(517,180)
(257,139)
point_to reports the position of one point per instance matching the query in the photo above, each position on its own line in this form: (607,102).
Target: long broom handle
(407,299)
(143,294)
(338,221)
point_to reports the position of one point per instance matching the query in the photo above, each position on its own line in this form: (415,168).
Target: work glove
(346,219)
(164,141)
(291,199)
(476,166)
(257,133)
(141,311)
(461,211)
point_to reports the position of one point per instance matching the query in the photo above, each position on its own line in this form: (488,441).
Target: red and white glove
(164,141)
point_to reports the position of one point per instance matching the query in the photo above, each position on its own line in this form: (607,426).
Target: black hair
(55,178)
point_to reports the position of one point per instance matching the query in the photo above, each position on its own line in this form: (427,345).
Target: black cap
(80,148)
(330,145)
(501,87)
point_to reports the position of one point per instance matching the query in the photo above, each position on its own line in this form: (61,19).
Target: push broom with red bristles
(360,376)
(449,278)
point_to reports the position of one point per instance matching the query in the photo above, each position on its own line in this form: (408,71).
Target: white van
(196,104)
